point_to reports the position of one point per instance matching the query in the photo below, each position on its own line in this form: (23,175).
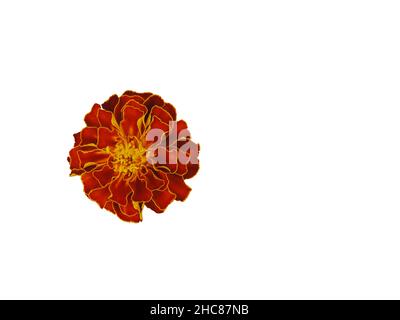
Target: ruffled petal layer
(161,200)
(129,118)
(120,190)
(177,186)
(141,193)
(129,124)
(100,195)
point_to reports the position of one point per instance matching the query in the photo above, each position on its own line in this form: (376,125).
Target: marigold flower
(133,153)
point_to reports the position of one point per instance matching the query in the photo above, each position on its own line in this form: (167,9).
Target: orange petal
(93,157)
(157,123)
(154,182)
(120,190)
(140,191)
(134,103)
(105,119)
(162,199)
(143,95)
(151,205)
(129,124)
(178,187)
(89,182)
(89,135)
(106,137)
(104,175)
(123,100)
(74,160)
(100,195)
(181,125)
(135,97)
(110,207)
(131,212)
(91,119)
(178,132)
(122,213)
(162,114)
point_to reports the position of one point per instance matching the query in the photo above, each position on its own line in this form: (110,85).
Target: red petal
(89,182)
(153,100)
(104,175)
(157,123)
(188,152)
(173,168)
(74,160)
(162,199)
(171,110)
(178,186)
(170,162)
(181,169)
(136,98)
(100,195)
(178,132)
(136,218)
(154,182)
(77,138)
(91,118)
(143,95)
(130,213)
(181,125)
(172,157)
(92,157)
(110,206)
(129,124)
(123,100)
(151,205)
(106,137)
(105,119)
(162,114)
(192,168)
(140,191)
(162,175)
(135,104)
(120,190)
(89,135)
(121,213)
(111,103)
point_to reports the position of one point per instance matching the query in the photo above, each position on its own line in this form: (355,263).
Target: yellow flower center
(128,157)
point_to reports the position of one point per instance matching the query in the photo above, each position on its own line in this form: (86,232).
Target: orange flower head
(133,153)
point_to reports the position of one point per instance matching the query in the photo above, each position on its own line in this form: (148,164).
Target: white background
(295,105)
